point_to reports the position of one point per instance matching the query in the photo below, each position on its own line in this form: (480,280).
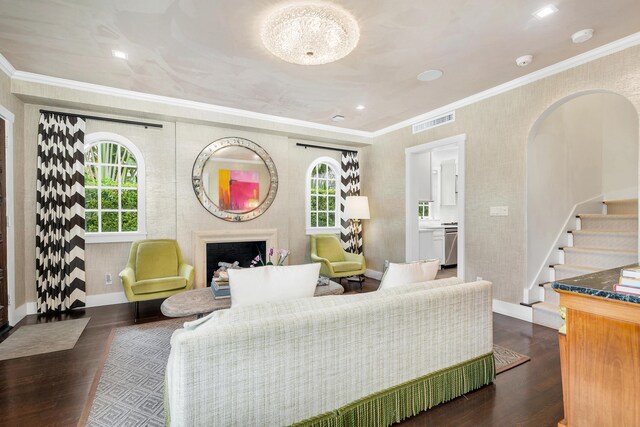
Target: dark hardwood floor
(51,389)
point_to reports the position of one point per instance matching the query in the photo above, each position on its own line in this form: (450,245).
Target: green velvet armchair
(335,261)
(155,270)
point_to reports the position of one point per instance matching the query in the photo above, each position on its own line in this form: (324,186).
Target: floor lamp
(356,208)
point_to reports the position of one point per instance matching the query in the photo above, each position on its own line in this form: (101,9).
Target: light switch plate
(499,211)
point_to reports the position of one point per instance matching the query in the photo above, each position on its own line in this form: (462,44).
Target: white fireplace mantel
(201,238)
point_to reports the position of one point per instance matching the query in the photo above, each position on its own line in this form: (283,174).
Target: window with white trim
(114,189)
(323,196)
(424,210)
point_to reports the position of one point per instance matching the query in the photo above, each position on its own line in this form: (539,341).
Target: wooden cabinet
(600,358)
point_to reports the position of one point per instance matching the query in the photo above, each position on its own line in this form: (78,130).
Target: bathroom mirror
(235,179)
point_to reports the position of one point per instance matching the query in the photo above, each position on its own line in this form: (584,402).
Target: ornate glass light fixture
(310,33)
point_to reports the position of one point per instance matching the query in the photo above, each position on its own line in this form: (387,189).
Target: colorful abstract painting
(238,190)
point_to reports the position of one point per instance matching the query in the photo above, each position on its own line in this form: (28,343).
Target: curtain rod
(325,148)
(105,119)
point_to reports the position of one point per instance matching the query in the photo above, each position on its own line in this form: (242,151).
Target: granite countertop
(599,284)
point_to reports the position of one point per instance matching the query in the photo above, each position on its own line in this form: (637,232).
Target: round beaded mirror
(235,179)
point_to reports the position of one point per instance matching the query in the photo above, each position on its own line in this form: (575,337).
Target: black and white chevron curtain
(60,224)
(350,231)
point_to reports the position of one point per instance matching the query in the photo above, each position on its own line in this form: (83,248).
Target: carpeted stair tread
(608,216)
(598,250)
(548,307)
(605,239)
(550,295)
(571,267)
(624,206)
(603,232)
(547,314)
(620,201)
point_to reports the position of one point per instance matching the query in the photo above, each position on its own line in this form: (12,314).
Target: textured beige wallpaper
(13,104)
(497,131)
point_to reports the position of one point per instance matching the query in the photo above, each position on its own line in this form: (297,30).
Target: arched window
(114,189)
(323,196)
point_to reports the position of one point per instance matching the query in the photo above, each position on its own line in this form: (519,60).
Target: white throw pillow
(272,283)
(412,272)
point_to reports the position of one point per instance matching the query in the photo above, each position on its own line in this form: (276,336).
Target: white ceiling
(210,51)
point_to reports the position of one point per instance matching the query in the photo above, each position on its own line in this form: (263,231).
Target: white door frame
(9,119)
(411,216)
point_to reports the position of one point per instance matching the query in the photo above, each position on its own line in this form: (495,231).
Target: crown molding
(599,52)
(183,103)
(6,66)
(583,58)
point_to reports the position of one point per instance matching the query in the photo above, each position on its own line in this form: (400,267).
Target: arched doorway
(581,151)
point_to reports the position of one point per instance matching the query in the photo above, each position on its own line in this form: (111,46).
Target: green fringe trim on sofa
(405,400)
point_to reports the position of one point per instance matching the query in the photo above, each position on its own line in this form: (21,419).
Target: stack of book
(220,288)
(629,282)
(323,281)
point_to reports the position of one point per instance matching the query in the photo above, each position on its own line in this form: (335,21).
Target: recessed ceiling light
(119,54)
(360,107)
(582,35)
(430,75)
(337,118)
(545,11)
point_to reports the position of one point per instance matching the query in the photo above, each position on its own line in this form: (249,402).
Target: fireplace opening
(243,252)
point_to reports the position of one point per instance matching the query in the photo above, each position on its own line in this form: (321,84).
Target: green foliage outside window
(111,194)
(323,193)
(423,209)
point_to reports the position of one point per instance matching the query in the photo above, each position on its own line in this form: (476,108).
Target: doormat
(41,338)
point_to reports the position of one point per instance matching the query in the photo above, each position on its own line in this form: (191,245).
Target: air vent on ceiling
(435,122)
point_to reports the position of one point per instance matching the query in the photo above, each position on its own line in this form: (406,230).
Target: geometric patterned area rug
(41,338)
(507,359)
(129,389)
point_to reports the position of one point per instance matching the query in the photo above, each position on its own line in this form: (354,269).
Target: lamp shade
(356,207)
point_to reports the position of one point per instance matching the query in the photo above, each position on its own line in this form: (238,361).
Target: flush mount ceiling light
(119,54)
(545,11)
(582,35)
(310,33)
(360,107)
(429,75)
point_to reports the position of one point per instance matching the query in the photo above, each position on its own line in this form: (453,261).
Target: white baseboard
(106,299)
(92,301)
(513,310)
(19,314)
(373,274)
(32,308)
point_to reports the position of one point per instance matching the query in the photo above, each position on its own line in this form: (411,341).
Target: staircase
(599,242)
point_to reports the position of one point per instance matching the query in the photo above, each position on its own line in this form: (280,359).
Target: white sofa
(366,359)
